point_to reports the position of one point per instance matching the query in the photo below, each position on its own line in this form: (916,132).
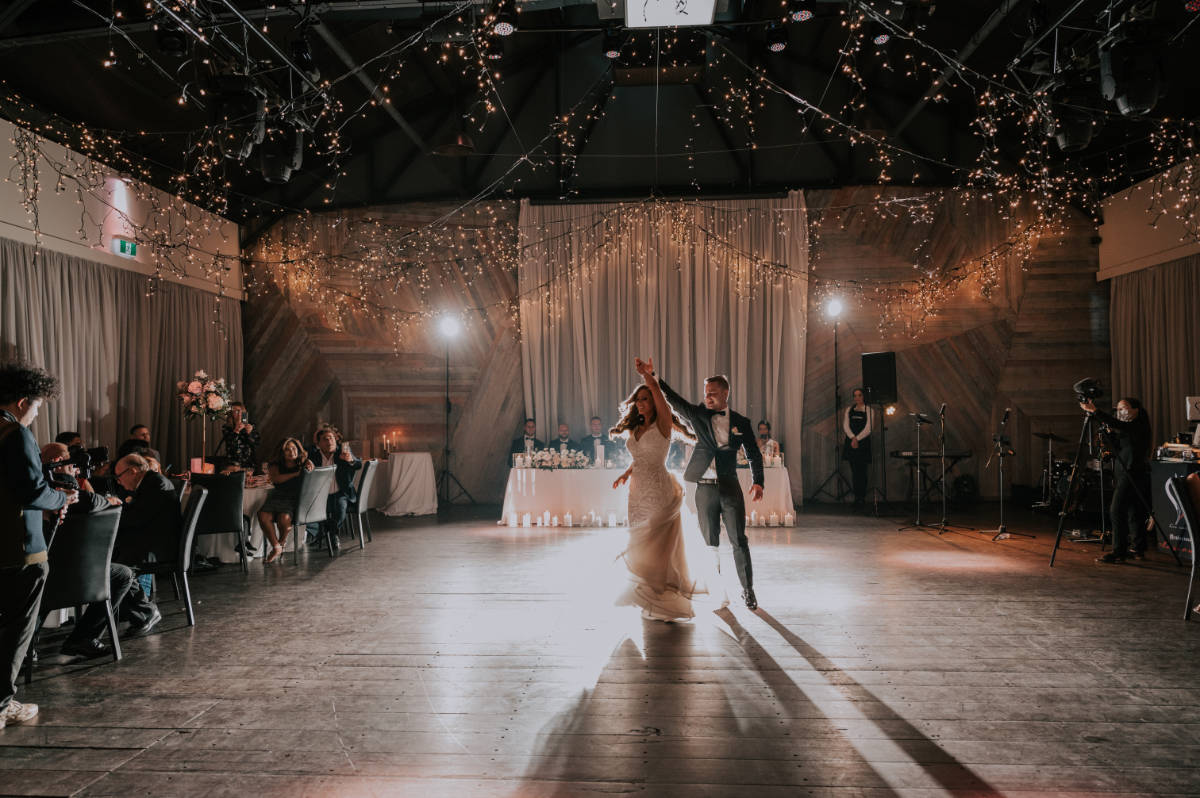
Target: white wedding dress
(660,581)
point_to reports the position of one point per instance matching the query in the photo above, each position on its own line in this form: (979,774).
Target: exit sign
(124,248)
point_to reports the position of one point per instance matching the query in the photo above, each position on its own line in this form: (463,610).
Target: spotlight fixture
(459,146)
(776,37)
(449,327)
(504,19)
(612,42)
(834,307)
(1065,115)
(302,55)
(172,42)
(802,10)
(239,110)
(1191,5)
(1131,73)
(880,35)
(281,153)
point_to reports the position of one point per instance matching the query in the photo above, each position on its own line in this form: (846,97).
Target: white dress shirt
(720,428)
(328,460)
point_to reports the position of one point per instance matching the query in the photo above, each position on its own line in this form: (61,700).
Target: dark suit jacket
(741,434)
(24,494)
(611,448)
(150,522)
(518,445)
(344,475)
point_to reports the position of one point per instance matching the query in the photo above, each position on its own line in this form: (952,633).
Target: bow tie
(718,412)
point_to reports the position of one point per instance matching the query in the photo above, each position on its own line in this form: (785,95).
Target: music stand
(918,420)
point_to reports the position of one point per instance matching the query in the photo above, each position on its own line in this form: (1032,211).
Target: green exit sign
(124,248)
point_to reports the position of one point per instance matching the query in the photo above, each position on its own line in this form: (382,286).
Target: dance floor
(467,659)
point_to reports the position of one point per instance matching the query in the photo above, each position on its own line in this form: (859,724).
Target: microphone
(942,412)
(1004,420)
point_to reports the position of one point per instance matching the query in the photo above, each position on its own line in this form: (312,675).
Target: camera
(82,459)
(1088,389)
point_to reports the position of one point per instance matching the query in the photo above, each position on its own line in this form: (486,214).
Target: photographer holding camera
(1131,471)
(24,494)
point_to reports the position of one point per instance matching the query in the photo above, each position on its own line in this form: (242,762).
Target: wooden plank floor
(466,659)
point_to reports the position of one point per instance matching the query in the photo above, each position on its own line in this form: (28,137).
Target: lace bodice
(651,486)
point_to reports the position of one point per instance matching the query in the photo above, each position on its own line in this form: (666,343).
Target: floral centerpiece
(553,458)
(204,398)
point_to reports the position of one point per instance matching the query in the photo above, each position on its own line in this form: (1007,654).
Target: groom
(720,432)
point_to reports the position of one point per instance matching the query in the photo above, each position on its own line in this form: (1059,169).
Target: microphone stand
(918,419)
(1002,451)
(943,526)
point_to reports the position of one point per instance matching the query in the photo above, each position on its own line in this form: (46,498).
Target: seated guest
(563,442)
(766,444)
(138,443)
(331,451)
(24,495)
(598,446)
(150,524)
(72,439)
(129,601)
(529,443)
(240,439)
(277,510)
(155,466)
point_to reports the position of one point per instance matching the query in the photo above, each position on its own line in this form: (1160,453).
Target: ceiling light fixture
(776,37)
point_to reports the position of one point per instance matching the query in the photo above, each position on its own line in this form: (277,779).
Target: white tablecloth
(585,491)
(408,483)
(581,492)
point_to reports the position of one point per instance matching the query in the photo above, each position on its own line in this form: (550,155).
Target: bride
(660,582)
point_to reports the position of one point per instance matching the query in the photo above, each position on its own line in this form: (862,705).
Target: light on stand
(834,307)
(449,327)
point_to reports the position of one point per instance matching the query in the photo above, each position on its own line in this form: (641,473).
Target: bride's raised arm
(662,411)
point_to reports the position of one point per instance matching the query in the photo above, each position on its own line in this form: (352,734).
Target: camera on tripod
(1088,389)
(82,459)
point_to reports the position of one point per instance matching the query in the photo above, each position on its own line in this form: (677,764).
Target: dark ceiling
(555,118)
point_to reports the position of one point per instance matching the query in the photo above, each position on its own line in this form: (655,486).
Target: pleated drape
(1154,326)
(117,341)
(652,290)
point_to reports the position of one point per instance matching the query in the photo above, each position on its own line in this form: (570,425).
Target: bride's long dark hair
(630,418)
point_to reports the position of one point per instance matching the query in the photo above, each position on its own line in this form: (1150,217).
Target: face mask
(1123,414)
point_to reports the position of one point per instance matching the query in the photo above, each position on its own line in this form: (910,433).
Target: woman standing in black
(856,448)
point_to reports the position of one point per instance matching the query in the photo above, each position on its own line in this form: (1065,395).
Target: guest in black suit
(720,432)
(528,443)
(126,594)
(598,446)
(150,525)
(331,451)
(24,495)
(71,438)
(563,441)
(138,443)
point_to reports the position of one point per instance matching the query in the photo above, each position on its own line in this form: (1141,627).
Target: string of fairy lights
(397,272)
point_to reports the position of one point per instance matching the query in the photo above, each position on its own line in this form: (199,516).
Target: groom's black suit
(721,497)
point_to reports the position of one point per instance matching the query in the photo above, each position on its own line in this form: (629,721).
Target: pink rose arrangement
(202,396)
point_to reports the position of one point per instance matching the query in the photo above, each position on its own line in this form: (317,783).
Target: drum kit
(1056,480)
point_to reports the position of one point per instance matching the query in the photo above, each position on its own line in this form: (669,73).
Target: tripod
(840,487)
(918,420)
(943,526)
(445,499)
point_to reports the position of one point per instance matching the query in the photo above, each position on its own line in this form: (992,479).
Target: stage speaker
(879,377)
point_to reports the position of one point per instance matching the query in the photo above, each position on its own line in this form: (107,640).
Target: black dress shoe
(1112,558)
(84,648)
(143,629)
(748,597)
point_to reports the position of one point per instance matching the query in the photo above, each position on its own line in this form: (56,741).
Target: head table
(585,497)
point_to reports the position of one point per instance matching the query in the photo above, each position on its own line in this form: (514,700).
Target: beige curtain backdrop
(1154,325)
(595,291)
(117,343)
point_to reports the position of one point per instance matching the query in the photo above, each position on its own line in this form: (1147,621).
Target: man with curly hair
(24,495)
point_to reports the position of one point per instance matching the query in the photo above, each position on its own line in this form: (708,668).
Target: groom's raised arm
(680,405)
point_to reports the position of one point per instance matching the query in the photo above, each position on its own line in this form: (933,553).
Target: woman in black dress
(277,510)
(856,449)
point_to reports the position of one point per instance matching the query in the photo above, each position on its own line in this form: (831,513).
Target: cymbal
(1050,436)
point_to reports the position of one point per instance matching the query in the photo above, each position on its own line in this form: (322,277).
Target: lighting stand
(943,526)
(918,420)
(840,486)
(445,499)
